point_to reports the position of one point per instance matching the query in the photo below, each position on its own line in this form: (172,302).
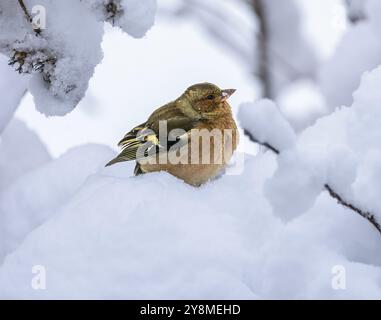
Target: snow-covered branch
(60,57)
(264,124)
(334,194)
(367,215)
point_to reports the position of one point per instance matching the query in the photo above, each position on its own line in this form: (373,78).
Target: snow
(139,16)
(373,11)
(360,49)
(331,152)
(290,55)
(61,66)
(134,17)
(168,237)
(302,103)
(33,197)
(20,151)
(368,176)
(323,24)
(15,86)
(275,232)
(264,121)
(270,231)
(107,241)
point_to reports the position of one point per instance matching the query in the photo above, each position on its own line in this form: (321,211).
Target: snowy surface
(302,103)
(266,124)
(107,241)
(30,199)
(20,151)
(14,86)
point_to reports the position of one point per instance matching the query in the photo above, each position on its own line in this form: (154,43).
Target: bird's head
(206,98)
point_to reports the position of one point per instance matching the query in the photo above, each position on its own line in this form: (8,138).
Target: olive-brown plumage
(176,131)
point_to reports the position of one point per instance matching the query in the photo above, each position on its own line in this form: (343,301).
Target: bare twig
(265,144)
(367,215)
(28,16)
(334,194)
(26,13)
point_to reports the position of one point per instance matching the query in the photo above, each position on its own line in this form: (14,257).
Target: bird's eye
(210,97)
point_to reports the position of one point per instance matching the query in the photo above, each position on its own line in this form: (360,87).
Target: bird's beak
(227,93)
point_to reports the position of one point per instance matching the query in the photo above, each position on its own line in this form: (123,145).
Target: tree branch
(367,215)
(263,40)
(334,194)
(354,16)
(26,13)
(265,144)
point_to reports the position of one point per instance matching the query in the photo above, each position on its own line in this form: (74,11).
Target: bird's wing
(131,135)
(147,135)
(139,136)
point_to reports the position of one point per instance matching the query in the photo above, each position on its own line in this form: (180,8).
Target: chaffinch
(192,137)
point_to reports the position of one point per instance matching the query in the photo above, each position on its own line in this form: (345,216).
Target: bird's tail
(130,152)
(137,171)
(114,161)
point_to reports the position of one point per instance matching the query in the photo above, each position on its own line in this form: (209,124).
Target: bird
(193,137)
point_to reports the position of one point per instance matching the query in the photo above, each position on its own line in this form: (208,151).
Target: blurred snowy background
(137,76)
(272,231)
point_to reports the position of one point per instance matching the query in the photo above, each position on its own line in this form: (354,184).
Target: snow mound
(20,151)
(33,197)
(153,236)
